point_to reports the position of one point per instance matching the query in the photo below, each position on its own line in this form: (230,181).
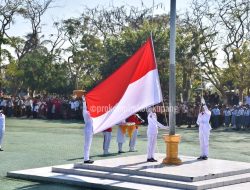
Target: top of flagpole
(152,43)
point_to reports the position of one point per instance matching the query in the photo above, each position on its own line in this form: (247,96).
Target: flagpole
(172,140)
(172,77)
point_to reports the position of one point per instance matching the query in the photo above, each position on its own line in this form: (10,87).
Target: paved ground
(38,143)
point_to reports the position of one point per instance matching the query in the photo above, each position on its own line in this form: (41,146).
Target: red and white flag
(132,87)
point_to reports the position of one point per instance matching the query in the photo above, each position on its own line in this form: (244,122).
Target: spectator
(247,99)
(236,99)
(227,116)
(238,117)
(234,111)
(246,116)
(215,117)
(216,98)
(190,114)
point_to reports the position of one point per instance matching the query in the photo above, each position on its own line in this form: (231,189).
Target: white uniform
(107,135)
(137,120)
(204,130)
(152,132)
(121,138)
(2,128)
(88,131)
(133,140)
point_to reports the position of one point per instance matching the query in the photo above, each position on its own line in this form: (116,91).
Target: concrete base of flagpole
(172,142)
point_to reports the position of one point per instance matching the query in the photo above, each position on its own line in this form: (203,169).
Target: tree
(222,27)
(234,17)
(33,11)
(85,53)
(108,22)
(8,9)
(187,47)
(238,74)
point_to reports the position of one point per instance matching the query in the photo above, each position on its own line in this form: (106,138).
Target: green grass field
(36,143)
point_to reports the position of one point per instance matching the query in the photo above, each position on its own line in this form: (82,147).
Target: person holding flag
(135,118)
(88,131)
(204,130)
(152,132)
(107,135)
(121,135)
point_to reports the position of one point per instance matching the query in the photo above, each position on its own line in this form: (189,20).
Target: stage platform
(133,172)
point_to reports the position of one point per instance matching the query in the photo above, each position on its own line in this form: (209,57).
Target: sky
(64,9)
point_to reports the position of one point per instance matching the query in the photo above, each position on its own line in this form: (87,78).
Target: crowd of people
(42,107)
(233,114)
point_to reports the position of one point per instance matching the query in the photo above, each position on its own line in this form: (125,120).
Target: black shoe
(151,160)
(200,158)
(88,162)
(1,149)
(119,152)
(154,160)
(204,157)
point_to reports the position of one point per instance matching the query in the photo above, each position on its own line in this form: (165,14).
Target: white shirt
(247,112)
(234,112)
(87,119)
(36,108)
(203,120)
(72,105)
(76,105)
(153,124)
(4,103)
(2,121)
(227,112)
(216,111)
(247,98)
(240,112)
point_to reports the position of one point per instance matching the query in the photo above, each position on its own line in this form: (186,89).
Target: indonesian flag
(132,87)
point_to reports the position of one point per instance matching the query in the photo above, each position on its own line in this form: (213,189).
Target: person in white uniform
(152,132)
(88,132)
(135,118)
(2,128)
(121,137)
(107,135)
(204,130)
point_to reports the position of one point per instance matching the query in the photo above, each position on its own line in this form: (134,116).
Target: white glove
(166,127)
(203,101)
